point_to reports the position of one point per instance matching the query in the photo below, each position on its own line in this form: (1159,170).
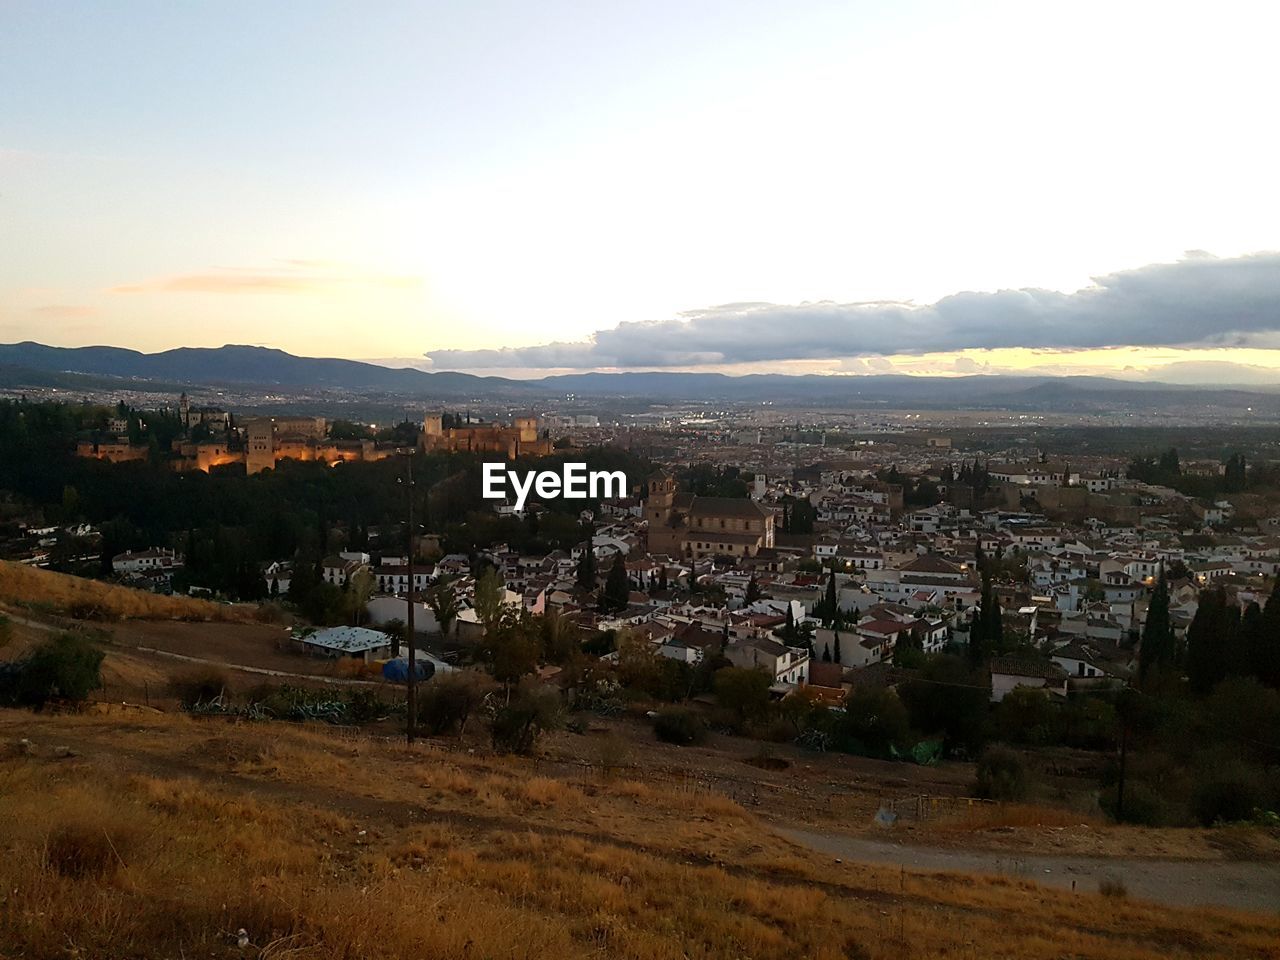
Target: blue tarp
(397,671)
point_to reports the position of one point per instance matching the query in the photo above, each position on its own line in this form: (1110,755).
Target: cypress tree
(1205,636)
(826,653)
(837,647)
(830,604)
(587,562)
(1157,651)
(1264,659)
(617,589)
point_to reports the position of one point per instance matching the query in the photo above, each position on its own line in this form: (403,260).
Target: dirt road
(1239,884)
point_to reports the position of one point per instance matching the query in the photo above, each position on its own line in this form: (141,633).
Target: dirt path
(1242,885)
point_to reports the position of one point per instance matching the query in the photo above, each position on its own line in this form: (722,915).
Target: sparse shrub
(679,726)
(448,701)
(1227,794)
(1113,887)
(81,850)
(1002,775)
(67,667)
(365,706)
(201,685)
(270,611)
(517,726)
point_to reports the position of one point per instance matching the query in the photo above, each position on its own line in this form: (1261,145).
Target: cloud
(1197,300)
(289,276)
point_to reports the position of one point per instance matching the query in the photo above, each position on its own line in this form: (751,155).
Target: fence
(925,807)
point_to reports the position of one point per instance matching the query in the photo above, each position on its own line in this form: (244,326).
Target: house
(394,578)
(155,560)
(1084,666)
(1009,673)
(279,577)
(787,665)
(338,570)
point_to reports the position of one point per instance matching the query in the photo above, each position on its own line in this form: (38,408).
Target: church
(685,525)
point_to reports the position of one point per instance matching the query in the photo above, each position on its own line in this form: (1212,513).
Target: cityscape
(634,481)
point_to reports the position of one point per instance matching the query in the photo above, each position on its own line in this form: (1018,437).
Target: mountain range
(30,364)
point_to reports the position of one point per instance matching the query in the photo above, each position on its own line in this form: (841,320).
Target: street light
(411,696)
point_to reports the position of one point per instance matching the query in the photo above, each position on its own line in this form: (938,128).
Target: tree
(443,602)
(743,691)
(1157,651)
(986,630)
(617,588)
(753,592)
(1207,641)
(835,647)
(586,576)
(826,653)
(513,646)
(832,599)
(874,720)
(1264,658)
(359,590)
(488,598)
(948,697)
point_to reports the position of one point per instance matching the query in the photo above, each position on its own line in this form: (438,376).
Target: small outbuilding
(357,643)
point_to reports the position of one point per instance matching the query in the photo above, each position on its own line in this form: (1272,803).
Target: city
(663,481)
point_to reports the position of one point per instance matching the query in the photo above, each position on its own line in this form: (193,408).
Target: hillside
(85,599)
(131,833)
(32,364)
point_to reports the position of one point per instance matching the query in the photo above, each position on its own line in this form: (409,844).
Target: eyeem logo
(575,482)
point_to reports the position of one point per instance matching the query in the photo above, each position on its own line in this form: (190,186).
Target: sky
(520,188)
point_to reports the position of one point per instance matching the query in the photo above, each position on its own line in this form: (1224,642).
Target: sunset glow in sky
(449,184)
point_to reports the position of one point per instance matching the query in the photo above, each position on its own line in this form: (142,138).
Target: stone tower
(261,452)
(657,511)
(528,429)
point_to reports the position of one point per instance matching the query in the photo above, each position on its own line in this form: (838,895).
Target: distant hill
(34,364)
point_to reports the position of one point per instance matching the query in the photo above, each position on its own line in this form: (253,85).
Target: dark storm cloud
(1198,300)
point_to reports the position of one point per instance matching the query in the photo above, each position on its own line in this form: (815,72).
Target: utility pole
(412,686)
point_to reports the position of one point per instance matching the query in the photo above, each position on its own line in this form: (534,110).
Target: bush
(517,726)
(873,721)
(199,686)
(1113,887)
(1025,716)
(1142,806)
(679,726)
(1002,775)
(744,692)
(67,667)
(448,701)
(1227,795)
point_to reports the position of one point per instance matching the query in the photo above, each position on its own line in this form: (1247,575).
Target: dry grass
(325,846)
(94,600)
